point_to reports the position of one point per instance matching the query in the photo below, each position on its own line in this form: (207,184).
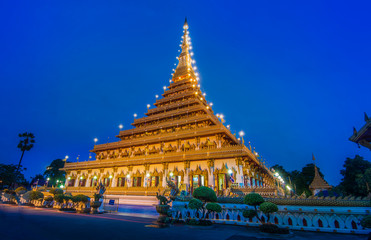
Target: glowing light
(204,94)
(69,178)
(95,140)
(148,175)
(201,99)
(171,174)
(199,85)
(156,96)
(230,171)
(207,107)
(81,177)
(221,116)
(128,176)
(164,87)
(121,126)
(61,186)
(135,115)
(241,133)
(148,105)
(288,187)
(57,181)
(228,126)
(211,104)
(66,157)
(110,176)
(95,177)
(48,179)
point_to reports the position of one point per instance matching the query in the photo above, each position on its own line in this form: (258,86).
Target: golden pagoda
(180,139)
(318,184)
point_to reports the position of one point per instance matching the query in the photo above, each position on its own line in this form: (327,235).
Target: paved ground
(32,223)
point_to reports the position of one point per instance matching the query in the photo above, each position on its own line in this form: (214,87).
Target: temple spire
(184,68)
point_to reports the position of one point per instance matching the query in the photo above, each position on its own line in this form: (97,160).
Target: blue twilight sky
(294,76)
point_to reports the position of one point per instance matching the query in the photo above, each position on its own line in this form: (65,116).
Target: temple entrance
(198,181)
(223,182)
(177,180)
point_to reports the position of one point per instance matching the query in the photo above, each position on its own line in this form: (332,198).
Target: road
(26,223)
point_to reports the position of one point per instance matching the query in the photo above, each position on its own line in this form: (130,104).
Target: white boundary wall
(308,218)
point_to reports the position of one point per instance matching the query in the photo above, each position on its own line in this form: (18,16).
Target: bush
(56,191)
(271,228)
(214,207)
(59,198)
(80,198)
(35,195)
(366,222)
(27,196)
(48,198)
(249,213)
(195,204)
(205,194)
(253,199)
(20,190)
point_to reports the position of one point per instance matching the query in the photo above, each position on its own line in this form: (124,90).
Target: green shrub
(253,199)
(366,222)
(267,208)
(56,191)
(35,195)
(214,207)
(48,198)
(205,194)
(27,196)
(59,198)
(249,213)
(83,198)
(195,204)
(20,190)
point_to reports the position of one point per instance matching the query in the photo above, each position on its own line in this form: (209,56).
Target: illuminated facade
(180,139)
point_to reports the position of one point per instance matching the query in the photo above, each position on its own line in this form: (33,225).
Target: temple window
(71,182)
(106,181)
(354,225)
(137,181)
(290,221)
(198,181)
(154,181)
(94,182)
(82,182)
(121,182)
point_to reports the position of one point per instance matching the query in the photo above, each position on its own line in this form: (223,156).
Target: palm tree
(25,144)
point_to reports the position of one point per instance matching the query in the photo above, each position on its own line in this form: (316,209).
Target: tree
(9,174)
(53,173)
(25,144)
(353,167)
(267,208)
(364,181)
(38,179)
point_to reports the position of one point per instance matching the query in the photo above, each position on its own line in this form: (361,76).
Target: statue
(163,208)
(98,199)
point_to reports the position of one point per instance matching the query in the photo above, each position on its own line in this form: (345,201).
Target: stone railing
(307,218)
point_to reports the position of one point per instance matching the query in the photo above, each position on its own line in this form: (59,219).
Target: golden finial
(185,26)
